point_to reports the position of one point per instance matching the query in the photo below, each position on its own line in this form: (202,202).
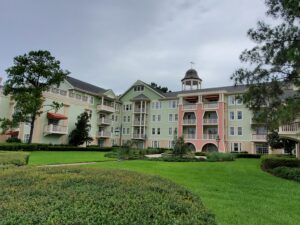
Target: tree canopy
(30,75)
(273,69)
(80,134)
(163,89)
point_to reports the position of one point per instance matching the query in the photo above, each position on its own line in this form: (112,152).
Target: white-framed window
(153,118)
(112,130)
(175,131)
(231,100)
(231,115)
(240,131)
(63,92)
(231,131)
(158,131)
(124,130)
(155,144)
(239,115)
(236,147)
(238,100)
(26,138)
(170,117)
(128,130)
(71,94)
(158,117)
(156,105)
(78,96)
(171,144)
(124,119)
(116,118)
(176,117)
(153,131)
(262,149)
(85,98)
(138,88)
(128,119)
(112,117)
(170,130)
(173,104)
(92,100)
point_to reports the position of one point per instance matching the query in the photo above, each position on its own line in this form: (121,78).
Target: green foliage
(13,140)
(219,157)
(290,173)
(275,66)
(201,153)
(177,159)
(95,196)
(30,75)
(180,147)
(160,88)
(246,155)
(80,134)
(7,124)
(269,162)
(14,158)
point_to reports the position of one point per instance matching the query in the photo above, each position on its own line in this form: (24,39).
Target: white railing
(260,137)
(106,108)
(139,136)
(104,134)
(210,136)
(189,121)
(292,128)
(55,129)
(211,105)
(139,110)
(104,121)
(138,123)
(189,136)
(210,121)
(190,106)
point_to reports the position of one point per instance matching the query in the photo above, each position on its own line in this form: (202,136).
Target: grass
(53,157)
(81,196)
(13,158)
(238,193)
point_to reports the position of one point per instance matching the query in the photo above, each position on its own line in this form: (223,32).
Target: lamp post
(218,140)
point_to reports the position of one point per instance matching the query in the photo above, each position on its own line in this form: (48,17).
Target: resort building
(210,119)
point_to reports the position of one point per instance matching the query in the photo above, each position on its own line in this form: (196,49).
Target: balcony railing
(105,108)
(104,134)
(189,136)
(55,129)
(210,105)
(139,136)
(189,122)
(259,137)
(293,128)
(210,136)
(139,123)
(139,110)
(190,106)
(104,121)
(210,121)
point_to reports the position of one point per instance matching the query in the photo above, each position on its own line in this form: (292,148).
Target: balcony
(139,110)
(293,128)
(189,122)
(139,123)
(104,134)
(209,121)
(210,136)
(210,105)
(259,137)
(189,107)
(105,108)
(139,136)
(55,129)
(189,136)
(104,121)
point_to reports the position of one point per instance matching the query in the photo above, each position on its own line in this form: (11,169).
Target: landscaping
(13,159)
(95,196)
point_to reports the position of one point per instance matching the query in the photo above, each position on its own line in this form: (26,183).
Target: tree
(28,78)
(80,134)
(7,125)
(180,148)
(274,66)
(163,89)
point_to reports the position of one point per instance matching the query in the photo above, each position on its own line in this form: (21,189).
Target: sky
(113,43)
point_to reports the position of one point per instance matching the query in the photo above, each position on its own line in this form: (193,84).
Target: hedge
(219,157)
(246,155)
(46,147)
(291,173)
(176,159)
(270,162)
(96,196)
(14,158)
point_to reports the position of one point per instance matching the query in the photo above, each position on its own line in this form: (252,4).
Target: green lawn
(238,192)
(47,157)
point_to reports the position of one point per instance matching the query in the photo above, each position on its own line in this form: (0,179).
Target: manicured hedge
(14,158)
(246,155)
(176,159)
(269,162)
(95,196)
(219,157)
(46,147)
(291,173)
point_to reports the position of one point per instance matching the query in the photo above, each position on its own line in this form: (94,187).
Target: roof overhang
(56,116)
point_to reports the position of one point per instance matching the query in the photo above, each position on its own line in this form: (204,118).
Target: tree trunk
(31,129)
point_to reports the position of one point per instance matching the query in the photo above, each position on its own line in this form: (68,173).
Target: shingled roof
(86,87)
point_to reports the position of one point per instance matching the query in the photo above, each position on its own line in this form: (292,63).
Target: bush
(176,159)
(48,147)
(246,155)
(291,173)
(270,162)
(201,153)
(219,157)
(13,140)
(14,158)
(96,196)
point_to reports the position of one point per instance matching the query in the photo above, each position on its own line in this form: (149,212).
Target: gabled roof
(85,87)
(140,97)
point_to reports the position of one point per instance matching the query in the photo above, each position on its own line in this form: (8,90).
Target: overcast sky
(113,43)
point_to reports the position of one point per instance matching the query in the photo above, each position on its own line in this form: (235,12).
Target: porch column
(298,150)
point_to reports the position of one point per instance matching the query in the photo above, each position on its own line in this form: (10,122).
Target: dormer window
(139,88)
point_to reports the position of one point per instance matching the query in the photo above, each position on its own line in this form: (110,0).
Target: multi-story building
(210,119)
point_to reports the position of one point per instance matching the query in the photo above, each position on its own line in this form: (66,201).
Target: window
(239,115)
(128,119)
(138,88)
(78,96)
(231,115)
(112,117)
(55,90)
(172,104)
(236,147)
(85,98)
(63,93)
(124,119)
(171,144)
(170,117)
(158,131)
(116,118)
(175,131)
(155,144)
(128,130)
(176,117)
(262,149)
(112,130)
(124,130)
(231,131)
(158,117)
(239,100)
(170,130)
(26,138)
(240,131)
(156,105)
(231,100)
(92,100)
(71,94)
(153,118)
(153,130)
(127,107)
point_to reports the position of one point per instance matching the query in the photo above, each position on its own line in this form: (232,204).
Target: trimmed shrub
(270,162)
(291,173)
(201,153)
(96,196)
(246,155)
(13,140)
(219,157)
(176,159)
(14,158)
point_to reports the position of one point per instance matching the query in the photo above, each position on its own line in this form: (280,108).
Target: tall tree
(30,75)
(80,134)
(274,66)
(163,89)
